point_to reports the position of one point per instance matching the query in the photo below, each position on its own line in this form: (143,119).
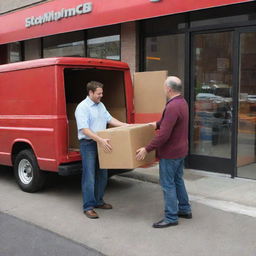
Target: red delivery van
(37,102)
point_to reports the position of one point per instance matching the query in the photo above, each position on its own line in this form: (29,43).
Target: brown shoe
(104,206)
(91,214)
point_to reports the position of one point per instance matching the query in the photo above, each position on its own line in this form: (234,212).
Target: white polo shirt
(91,115)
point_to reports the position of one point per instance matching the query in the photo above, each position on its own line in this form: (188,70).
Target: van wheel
(27,173)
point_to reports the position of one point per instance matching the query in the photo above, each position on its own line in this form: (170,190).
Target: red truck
(37,103)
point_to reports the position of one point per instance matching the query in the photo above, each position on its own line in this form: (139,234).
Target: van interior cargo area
(75,91)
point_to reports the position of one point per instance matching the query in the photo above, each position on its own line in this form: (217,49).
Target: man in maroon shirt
(171,144)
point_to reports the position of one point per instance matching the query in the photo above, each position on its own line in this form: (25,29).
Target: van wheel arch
(19,146)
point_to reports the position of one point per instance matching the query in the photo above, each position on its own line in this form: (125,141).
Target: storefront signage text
(54,16)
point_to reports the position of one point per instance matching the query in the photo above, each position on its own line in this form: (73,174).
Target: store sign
(58,15)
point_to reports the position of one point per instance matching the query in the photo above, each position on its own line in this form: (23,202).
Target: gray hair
(174,83)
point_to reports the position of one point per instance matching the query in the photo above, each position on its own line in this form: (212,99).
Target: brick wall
(130,45)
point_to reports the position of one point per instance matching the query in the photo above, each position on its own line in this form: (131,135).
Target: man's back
(177,144)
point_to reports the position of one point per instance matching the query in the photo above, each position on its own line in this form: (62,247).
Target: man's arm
(116,123)
(165,130)
(103,142)
(164,133)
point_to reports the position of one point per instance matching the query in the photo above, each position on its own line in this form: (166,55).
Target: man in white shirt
(91,117)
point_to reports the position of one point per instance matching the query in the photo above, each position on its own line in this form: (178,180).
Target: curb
(142,177)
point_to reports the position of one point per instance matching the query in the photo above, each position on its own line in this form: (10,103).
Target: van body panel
(33,108)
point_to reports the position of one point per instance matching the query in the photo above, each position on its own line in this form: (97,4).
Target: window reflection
(15,52)
(166,53)
(246,146)
(64,45)
(213,95)
(107,47)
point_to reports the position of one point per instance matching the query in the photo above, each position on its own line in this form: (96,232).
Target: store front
(213,50)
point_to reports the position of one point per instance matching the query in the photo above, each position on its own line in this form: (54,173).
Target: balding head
(174,83)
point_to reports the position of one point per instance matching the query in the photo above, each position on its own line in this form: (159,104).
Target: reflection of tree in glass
(104,50)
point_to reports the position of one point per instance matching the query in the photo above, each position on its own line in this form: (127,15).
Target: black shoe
(185,215)
(163,224)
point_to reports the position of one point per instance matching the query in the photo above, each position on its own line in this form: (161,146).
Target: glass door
(246,137)
(211,101)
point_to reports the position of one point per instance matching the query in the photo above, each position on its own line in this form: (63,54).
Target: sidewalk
(217,190)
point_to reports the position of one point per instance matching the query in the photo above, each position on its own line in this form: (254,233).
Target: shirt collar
(90,102)
(176,97)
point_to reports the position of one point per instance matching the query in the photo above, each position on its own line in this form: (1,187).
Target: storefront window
(104,43)
(107,47)
(166,53)
(15,52)
(64,45)
(246,141)
(212,97)
(32,49)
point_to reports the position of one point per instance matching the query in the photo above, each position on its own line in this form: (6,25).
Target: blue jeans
(174,190)
(94,179)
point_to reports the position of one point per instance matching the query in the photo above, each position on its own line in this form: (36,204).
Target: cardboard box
(125,141)
(148,89)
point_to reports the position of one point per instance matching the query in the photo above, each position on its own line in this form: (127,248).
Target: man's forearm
(91,134)
(116,123)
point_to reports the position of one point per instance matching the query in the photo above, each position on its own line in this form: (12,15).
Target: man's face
(166,89)
(97,95)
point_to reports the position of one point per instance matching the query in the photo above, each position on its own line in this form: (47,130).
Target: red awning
(13,25)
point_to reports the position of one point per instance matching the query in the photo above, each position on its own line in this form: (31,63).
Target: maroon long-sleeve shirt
(172,140)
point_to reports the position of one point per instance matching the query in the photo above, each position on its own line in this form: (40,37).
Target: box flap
(149,96)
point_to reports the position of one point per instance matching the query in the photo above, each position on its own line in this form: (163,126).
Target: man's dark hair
(93,85)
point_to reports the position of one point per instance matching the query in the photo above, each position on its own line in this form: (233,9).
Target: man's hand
(153,124)
(105,144)
(141,153)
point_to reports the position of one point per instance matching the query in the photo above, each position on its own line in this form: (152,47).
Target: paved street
(19,238)
(125,230)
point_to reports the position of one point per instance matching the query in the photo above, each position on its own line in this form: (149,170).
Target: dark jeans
(94,179)
(174,190)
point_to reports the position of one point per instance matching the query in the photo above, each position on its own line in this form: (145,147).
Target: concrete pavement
(216,190)
(126,230)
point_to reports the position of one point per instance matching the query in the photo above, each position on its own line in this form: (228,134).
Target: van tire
(27,173)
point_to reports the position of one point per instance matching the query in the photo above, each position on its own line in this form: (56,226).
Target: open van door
(149,96)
